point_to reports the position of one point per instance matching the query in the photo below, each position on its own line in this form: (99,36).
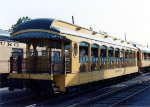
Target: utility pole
(72,20)
(125,36)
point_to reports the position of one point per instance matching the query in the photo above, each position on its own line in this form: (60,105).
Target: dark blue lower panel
(33,84)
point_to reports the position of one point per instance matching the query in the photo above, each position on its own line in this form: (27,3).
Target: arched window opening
(145,56)
(67,49)
(133,58)
(103,51)
(83,55)
(117,55)
(121,55)
(94,56)
(103,54)
(133,55)
(127,55)
(110,54)
(83,52)
(130,56)
(148,56)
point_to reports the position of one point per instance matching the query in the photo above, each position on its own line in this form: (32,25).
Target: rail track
(116,97)
(70,99)
(74,100)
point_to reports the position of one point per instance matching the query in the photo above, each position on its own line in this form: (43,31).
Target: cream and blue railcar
(143,57)
(73,56)
(7,46)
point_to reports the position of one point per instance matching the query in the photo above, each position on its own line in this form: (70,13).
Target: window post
(89,57)
(146,56)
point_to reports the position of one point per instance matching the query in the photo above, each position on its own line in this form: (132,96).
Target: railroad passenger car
(72,56)
(143,58)
(7,46)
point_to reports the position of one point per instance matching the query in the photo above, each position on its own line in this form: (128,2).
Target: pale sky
(116,17)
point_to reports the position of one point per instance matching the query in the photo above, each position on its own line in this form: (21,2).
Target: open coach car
(143,58)
(69,56)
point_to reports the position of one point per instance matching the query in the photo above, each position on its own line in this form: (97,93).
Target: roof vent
(78,28)
(106,36)
(122,41)
(94,32)
(115,38)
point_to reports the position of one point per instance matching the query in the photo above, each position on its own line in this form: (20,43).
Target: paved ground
(6,95)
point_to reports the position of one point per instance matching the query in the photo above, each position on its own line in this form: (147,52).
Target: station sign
(9,44)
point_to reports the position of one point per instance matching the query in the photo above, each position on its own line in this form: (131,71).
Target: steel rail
(105,94)
(100,96)
(80,92)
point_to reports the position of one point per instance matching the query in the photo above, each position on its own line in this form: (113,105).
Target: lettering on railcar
(9,44)
(2,43)
(117,70)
